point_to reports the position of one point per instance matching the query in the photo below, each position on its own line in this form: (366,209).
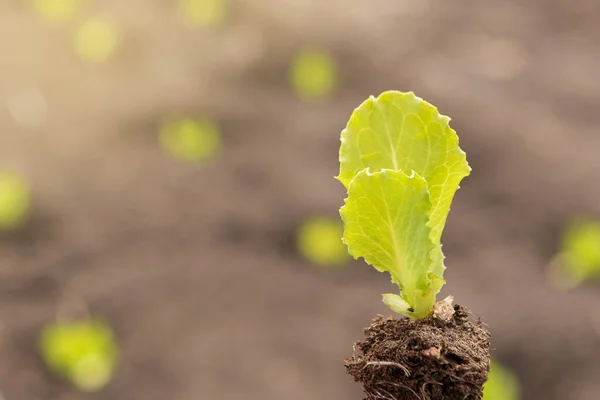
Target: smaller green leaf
(385,218)
(398,304)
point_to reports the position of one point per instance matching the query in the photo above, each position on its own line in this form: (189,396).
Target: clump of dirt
(424,359)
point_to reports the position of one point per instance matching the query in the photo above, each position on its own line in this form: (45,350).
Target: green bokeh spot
(83,352)
(313,74)
(96,40)
(319,240)
(191,140)
(14,201)
(580,250)
(203,13)
(502,384)
(56,10)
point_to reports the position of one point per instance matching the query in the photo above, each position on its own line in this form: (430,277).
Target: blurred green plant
(83,352)
(319,241)
(502,384)
(313,74)
(203,13)
(56,10)
(96,40)
(578,259)
(190,140)
(15,201)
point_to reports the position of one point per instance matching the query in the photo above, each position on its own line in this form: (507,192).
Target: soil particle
(426,359)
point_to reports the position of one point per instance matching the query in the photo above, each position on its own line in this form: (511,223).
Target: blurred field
(193,264)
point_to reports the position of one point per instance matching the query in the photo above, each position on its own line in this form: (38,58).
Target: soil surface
(426,359)
(192,264)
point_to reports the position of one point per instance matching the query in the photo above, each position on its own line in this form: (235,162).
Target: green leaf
(385,218)
(402,132)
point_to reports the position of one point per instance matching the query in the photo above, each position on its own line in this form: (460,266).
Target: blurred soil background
(194,264)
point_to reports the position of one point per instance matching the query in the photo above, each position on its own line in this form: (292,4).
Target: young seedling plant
(401,165)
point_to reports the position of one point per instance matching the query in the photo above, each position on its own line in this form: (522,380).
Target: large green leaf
(402,132)
(385,219)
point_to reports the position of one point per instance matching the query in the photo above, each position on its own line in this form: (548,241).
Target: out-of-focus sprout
(14,201)
(203,13)
(56,10)
(578,259)
(319,240)
(96,40)
(313,75)
(502,384)
(189,139)
(83,352)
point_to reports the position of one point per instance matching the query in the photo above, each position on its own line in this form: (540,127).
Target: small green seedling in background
(318,241)
(56,10)
(502,384)
(578,259)
(96,40)
(15,201)
(189,139)
(401,165)
(203,13)
(313,75)
(83,352)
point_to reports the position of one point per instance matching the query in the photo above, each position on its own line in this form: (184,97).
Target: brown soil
(432,359)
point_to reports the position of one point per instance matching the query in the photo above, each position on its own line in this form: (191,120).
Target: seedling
(401,165)
(578,260)
(203,13)
(96,40)
(318,241)
(14,201)
(189,139)
(56,10)
(313,75)
(502,384)
(82,352)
